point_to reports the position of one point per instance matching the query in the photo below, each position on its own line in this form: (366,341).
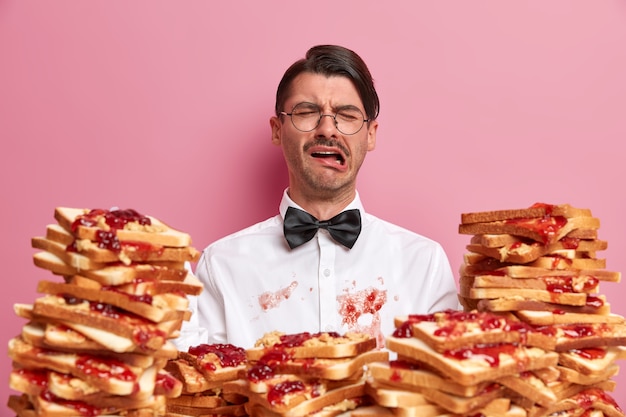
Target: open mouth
(331,156)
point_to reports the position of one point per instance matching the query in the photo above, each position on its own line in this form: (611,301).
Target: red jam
(166,382)
(143,330)
(229,355)
(547,227)
(402,364)
(298,339)
(277,393)
(35,377)
(115,219)
(490,353)
(260,372)
(404,331)
(82,408)
(588,397)
(104,368)
(274,356)
(578,330)
(590,353)
(593,301)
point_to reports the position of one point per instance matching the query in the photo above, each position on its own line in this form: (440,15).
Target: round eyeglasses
(307,116)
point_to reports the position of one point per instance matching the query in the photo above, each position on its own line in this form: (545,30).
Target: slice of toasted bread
(530,386)
(294,402)
(59,337)
(523,271)
(325,368)
(555,262)
(562,283)
(121,378)
(74,260)
(198,401)
(103,317)
(573,376)
(126,251)
(154,308)
(313,345)
(193,380)
(537,210)
(590,361)
(113,274)
(389,396)
(594,305)
(86,223)
(413,376)
(521,253)
(548,318)
(573,299)
(588,335)
(500,240)
(229,410)
(472,365)
(546,230)
(216,362)
(448,330)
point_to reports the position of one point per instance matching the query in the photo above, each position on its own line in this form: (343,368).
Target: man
(266,278)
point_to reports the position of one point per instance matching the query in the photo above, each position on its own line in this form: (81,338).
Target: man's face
(323,162)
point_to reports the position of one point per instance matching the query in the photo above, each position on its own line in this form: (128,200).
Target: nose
(323,125)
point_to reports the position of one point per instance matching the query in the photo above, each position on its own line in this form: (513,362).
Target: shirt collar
(286,201)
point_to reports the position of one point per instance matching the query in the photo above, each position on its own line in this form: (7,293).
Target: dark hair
(332,60)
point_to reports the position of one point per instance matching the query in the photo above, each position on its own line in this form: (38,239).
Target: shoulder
(390,233)
(269,229)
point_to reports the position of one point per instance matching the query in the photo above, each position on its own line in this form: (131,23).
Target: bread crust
(537,210)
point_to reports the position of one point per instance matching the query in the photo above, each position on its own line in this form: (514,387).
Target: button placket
(326,281)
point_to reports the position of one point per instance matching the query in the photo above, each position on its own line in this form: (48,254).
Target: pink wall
(164,107)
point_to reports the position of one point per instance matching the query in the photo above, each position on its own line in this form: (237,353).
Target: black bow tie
(300,227)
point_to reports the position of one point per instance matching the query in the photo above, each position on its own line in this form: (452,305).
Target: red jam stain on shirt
(353,306)
(269,300)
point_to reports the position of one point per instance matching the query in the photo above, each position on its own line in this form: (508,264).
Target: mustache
(327,142)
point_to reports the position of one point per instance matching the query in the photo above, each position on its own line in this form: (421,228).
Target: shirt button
(327,272)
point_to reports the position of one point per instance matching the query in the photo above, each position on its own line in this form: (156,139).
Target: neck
(323,207)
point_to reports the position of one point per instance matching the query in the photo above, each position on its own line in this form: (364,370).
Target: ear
(371,135)
(277,127)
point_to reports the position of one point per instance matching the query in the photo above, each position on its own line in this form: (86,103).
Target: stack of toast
(98,339)
(203,370)
(296,375)
(540,265)
(461,363)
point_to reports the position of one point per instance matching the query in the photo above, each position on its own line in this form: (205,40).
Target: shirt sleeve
(191,333)
(443,286)
(210,303)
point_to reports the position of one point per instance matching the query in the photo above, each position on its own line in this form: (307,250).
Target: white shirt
(254,283)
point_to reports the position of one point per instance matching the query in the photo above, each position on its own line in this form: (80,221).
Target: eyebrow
(334,108)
